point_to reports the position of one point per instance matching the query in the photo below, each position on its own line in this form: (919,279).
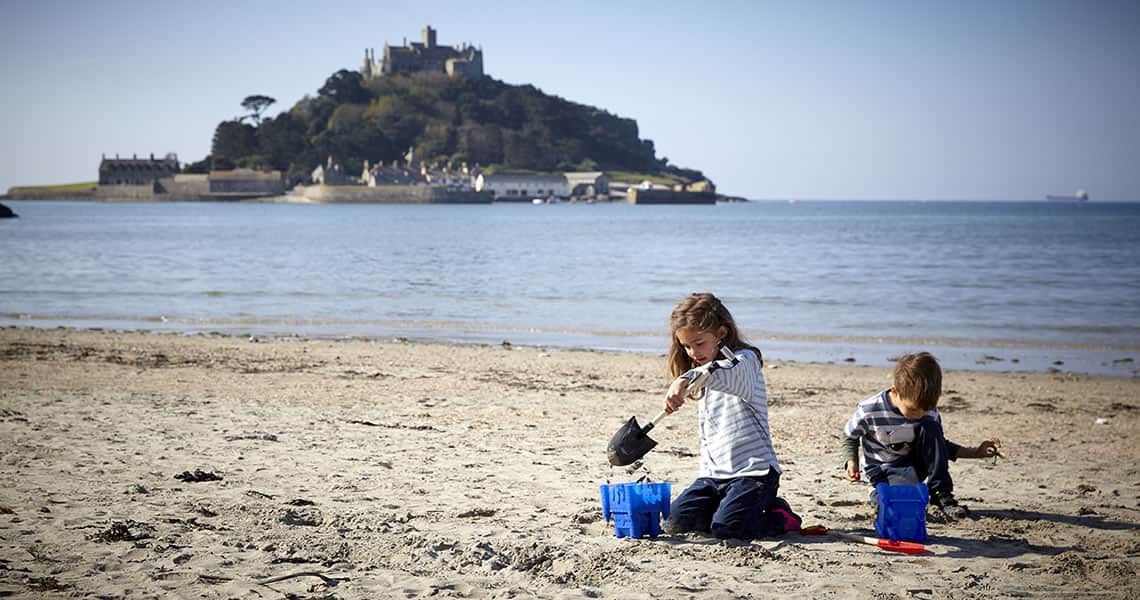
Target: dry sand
(375,470)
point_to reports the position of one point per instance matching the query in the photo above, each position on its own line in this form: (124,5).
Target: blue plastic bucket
(901,512)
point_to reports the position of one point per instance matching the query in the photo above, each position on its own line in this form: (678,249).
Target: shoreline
(345,197)
(410,469)
(953,353)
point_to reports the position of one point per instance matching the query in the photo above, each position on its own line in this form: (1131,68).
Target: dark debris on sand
(125,531)
(197,476)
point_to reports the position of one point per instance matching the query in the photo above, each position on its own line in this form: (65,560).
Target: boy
(900,432)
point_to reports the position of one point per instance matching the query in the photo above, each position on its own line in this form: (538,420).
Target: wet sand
(360,469)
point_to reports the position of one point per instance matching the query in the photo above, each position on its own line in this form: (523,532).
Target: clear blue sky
(968,99)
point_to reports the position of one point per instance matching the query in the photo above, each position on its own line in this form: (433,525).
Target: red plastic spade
(889,545)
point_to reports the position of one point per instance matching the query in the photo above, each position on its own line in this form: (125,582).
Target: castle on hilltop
(425,56)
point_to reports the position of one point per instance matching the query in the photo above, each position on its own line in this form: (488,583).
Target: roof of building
(138,163)
(523,177)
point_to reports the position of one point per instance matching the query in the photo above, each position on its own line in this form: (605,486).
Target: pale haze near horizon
(831,100)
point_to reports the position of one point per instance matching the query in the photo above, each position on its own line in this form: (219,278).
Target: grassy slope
(65,187)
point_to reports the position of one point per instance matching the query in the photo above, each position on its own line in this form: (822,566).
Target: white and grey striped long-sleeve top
(735,439)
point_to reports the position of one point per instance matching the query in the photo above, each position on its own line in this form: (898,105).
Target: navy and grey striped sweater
(884,434)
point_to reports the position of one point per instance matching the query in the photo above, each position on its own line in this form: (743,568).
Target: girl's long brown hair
(704,312)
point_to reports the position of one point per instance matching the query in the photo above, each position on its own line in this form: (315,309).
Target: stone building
(424,56)
(461,179)
(703,186)
(587,184)
(136,171)
(330,173)
(395,174)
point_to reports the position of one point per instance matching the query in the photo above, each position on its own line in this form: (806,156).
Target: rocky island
(423,122)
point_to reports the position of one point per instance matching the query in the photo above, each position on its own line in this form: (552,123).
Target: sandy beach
(148,465)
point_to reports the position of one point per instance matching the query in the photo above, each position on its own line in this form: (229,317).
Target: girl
(739,475)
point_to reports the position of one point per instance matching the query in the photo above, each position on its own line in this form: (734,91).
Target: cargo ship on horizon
(1080,196)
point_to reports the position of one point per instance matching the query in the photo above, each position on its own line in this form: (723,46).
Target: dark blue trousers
(726,508)
(928,461)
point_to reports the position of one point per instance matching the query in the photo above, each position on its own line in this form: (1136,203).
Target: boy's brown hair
(918,379)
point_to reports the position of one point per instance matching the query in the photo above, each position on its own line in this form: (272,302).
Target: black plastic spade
(632,441)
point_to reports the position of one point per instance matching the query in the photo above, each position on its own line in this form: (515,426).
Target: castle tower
(367,69)
(428,56)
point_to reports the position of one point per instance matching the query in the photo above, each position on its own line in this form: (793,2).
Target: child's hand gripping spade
(632,441)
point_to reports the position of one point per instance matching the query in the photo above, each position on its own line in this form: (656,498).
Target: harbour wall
(637,196)
(388,194)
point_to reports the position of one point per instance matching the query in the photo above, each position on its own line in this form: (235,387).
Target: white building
(523,187)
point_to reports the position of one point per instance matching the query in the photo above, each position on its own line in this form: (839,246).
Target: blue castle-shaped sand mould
(636,508)
(901,513)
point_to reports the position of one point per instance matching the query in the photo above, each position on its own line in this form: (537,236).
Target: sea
(1005,286)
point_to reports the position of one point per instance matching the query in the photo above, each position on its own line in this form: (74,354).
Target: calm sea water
(981,284)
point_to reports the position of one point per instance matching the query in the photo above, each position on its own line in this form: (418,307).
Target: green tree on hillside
(280,140)
(344,87)
(233,141)
(454,119)
(256,105)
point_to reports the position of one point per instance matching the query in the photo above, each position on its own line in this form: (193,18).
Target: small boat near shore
(1080,196)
